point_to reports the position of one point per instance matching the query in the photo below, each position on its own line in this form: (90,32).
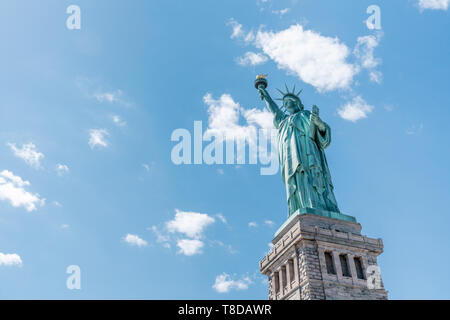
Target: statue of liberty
(302,139)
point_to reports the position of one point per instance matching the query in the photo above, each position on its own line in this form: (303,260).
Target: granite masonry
(321,258)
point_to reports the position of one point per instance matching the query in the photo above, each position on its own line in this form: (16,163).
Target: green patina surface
(302,139)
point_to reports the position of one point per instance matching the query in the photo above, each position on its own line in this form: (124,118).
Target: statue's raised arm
(273,107)
(261,85)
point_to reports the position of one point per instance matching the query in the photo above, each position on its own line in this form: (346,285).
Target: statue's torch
(261,82)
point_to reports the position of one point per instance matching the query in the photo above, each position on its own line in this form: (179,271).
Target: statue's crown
(290,93)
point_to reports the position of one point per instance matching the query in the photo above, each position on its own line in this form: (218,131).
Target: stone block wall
(297,267)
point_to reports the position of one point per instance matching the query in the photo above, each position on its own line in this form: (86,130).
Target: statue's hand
(263,94)
(317,121)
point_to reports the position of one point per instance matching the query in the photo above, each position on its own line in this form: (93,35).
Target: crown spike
(293,89)
(299,92)
(282,93)
(287,89)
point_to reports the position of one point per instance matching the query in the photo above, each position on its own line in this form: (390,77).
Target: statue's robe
(304,168)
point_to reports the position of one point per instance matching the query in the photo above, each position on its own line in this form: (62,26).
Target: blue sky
(86,118)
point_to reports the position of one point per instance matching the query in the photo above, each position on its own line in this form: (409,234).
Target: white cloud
(317,60)
(355,110)
(363,51)
(191,224)
(97,137)
(252,224)
(12,189)
(434,4)
(224,283)
(270,223)
(224,116)
(118,121)
(135,240)
(61,169)
(252,59)
(10,259)
(65,226)
(190,247)
(28,153)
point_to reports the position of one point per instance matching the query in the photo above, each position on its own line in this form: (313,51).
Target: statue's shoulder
(306,112)
(302,113)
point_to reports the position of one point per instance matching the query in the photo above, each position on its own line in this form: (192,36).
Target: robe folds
(304,168)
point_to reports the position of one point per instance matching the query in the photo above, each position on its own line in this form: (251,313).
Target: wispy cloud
(13,189)
(57,204)
(252,224)
(95,89)
(110,97)
(29,153)
(148,166)
(161,237)
(269,223)
(221,217)
(414,129)
(228,247)
(434,4)
(364,52)
(236,27)
(97,138)
(118,121)
(281,12)
(62,169)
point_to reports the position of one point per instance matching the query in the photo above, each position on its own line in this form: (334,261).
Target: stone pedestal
(322,258)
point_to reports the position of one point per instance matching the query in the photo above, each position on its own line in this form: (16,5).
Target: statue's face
(291,104)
